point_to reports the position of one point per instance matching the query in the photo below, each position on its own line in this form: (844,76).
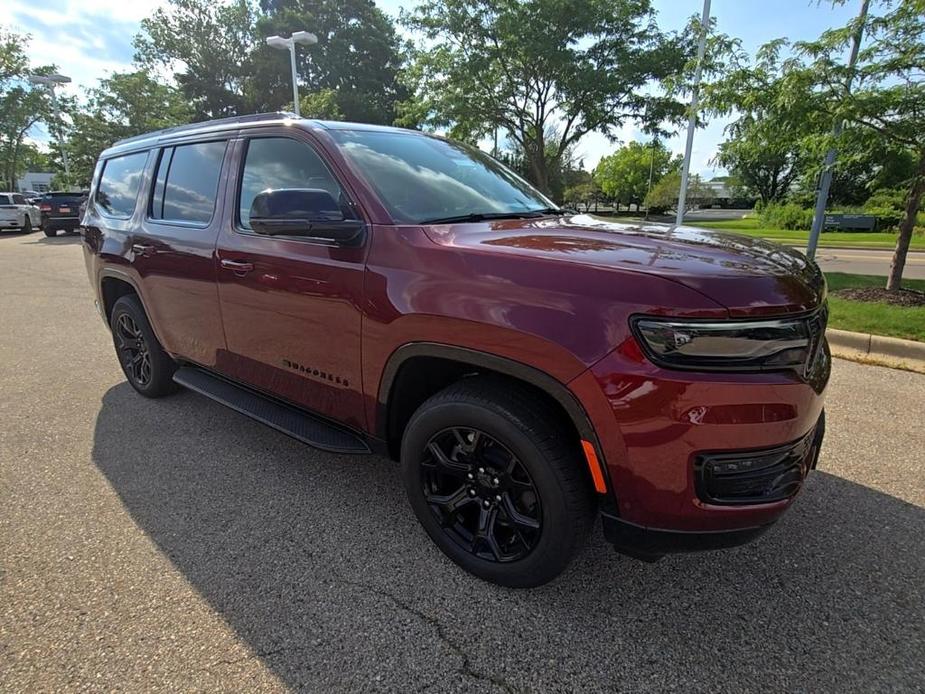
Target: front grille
(756,477)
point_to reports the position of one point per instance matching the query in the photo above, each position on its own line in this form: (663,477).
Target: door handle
(240,267)
(142,249)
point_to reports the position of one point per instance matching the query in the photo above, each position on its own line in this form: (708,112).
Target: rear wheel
(496,481)
(50,232)
(147,367)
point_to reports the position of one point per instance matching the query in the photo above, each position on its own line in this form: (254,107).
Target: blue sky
(89,39)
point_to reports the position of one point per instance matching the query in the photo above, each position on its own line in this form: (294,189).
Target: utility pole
(692,119)
(651,170)
(825,181)
(50,81)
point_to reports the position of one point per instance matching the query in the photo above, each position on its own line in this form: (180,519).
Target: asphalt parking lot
(175,545)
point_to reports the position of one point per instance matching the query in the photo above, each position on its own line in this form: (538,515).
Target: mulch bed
(900,297)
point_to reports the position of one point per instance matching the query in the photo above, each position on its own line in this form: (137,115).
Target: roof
(152,139)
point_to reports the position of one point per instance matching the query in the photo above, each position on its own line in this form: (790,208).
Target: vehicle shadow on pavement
(60,240)
(319,566)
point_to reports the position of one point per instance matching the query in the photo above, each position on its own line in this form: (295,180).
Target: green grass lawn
(833,239)
(878,318)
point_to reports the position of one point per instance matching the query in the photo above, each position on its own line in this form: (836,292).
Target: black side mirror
(302,212)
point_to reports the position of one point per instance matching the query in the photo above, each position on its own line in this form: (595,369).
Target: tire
(27,225)
(147,367)
(50,233)
(497,432)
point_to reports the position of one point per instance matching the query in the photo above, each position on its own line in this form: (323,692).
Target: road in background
(868,262)
(173,544)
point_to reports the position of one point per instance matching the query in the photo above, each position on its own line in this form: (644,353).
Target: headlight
(755,345)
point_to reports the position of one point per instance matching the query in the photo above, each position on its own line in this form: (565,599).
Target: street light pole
(825,181)
(278,42)
(692,119)
(50,81)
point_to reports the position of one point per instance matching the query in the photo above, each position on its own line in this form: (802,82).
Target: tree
(357,60)
(208,48)
(583,195)
(123,105)
(664,194)
(765,148)
(524,66)
(624,175)
(887,97)
(21,105)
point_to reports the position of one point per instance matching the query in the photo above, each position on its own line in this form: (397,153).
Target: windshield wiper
(484,216)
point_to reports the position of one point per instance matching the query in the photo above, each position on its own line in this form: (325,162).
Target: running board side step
(285,418)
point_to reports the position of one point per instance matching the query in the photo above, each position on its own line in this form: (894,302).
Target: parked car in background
(17,213)
(371,289)
(61,211)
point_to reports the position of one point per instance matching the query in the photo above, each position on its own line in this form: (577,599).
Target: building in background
(37,181)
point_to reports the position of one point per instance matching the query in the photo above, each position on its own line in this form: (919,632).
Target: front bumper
(658,430)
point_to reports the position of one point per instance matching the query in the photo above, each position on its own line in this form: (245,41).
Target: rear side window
(277,162)
(119,184)
(186,183)
(4,199)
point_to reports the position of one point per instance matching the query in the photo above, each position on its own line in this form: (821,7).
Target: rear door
(172,249)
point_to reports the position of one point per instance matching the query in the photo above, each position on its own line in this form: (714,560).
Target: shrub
(786,216)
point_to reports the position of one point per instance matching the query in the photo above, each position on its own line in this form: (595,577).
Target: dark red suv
(375,290)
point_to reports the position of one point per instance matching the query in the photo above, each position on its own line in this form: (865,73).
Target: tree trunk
(906,226)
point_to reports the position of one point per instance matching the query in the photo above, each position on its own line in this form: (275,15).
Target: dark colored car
(368,289)
(61,211)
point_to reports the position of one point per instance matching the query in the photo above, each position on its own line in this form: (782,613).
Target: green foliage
(786,216)
(624,175)
(582,195)
(216,52)
(123,105)
(21,106)
(208,47)
(524,66)
(322,105)
(357,60)
(883,94)
(664,194)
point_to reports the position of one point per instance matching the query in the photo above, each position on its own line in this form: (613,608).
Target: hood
(748,276)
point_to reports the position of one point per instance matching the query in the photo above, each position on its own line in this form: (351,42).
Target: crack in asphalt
(466,669)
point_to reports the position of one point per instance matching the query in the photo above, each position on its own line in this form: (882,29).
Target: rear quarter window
(119,185)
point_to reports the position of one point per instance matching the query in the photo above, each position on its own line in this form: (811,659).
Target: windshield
(423,179)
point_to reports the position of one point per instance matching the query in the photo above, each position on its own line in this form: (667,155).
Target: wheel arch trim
(503,365)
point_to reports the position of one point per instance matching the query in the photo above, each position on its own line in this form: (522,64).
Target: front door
(290,306)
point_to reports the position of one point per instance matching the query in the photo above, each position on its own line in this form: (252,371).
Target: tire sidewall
(557,537)
(162,367)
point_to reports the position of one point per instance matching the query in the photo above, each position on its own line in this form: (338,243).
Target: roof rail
(252,118)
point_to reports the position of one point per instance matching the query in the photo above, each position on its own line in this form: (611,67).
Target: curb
(877,349)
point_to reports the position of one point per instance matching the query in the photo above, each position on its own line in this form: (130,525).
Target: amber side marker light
(594,465)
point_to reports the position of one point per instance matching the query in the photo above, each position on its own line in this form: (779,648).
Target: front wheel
(147,367)
(27,225)
(496,480)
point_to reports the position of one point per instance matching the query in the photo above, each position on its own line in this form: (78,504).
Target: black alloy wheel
(148,368)
(133,350)
(495,477)
(481,494)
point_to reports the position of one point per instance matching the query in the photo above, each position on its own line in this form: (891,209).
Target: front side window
(274,163)
(186,183)
(421,179)
(119,184)
(19,200)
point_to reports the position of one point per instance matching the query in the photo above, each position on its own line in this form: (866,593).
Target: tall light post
(692,119)
(50,81)
(278,42)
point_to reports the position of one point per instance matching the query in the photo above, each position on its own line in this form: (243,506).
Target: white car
(17,213)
